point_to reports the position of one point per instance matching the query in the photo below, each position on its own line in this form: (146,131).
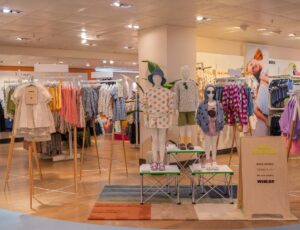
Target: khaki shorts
(186,118)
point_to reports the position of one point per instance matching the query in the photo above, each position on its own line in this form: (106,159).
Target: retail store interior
(149,114)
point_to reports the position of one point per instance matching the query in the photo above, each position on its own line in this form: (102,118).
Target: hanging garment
(119,107)
(2,119)
(234,101)
(34,122)
(52,147)
(10,105)
(275,127)
(286,120)
(90,102)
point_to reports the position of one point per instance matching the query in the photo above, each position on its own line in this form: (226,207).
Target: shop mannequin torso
(187,102)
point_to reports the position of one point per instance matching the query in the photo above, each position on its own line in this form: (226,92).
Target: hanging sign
(31,95)
(264,179)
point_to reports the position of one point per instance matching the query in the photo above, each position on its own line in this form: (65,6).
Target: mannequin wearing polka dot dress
(158,109)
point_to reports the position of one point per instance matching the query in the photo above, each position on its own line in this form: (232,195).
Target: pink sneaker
(162,166)
(154,166)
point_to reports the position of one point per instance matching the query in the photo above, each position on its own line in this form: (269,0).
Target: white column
(170,47)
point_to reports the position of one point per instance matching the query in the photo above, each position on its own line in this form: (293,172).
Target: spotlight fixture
(104,61)
(87,65)
(122,5)
(6,10)
(133,26)
(83,41)
(61,62)
(291,35)
(134,63)
(128,47)
(261,29)
(201,18)
(111,62)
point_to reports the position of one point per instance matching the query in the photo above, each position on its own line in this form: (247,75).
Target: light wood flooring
(76,207)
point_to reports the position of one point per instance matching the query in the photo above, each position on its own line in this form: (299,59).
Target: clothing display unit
(158,106)
(177,114)
(210,117)
(110,102)
(187,98)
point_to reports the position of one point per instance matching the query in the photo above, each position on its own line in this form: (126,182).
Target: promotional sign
(264,180)
(257,65)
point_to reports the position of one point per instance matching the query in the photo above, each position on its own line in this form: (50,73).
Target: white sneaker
(208,166)
(215,166)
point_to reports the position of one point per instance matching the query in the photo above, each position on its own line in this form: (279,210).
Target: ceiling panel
(57,24)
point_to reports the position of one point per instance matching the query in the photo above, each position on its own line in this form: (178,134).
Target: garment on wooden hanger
(34,122)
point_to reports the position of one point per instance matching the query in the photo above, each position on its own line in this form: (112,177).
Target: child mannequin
(210,118)
(158,108)
(186,102)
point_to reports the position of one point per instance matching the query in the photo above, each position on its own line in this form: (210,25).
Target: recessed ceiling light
(61,62)
(292,35)
(261,29)
(104,61)
(83,41)
(119,4)
(128,47)
(134,63)
(87,65)
(22,39)
(94,44)
(111,62)
(6,10)
(201,18)
(132,26)
(19,62)
(83,30)
(86,44)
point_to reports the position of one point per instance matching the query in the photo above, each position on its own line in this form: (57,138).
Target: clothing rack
(90,82)
(234,128)
(32,145)
(296,94)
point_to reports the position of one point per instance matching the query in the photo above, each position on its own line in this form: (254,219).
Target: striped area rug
(118,202)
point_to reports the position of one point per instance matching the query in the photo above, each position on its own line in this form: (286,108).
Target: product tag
(31,95)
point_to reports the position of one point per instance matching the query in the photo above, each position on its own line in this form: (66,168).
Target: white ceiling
(58,23)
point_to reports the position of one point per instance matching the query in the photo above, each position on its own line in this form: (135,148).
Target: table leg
(202,184)
(193,191)
(178,190)
(231,190)
(142,187)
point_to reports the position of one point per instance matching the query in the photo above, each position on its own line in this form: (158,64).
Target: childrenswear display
(278,92)
(286,122)
(235,103)
(210,118)
(158,106)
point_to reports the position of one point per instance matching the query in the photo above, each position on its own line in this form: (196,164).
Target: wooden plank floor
(76,207)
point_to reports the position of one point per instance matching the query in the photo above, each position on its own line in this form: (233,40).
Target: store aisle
(71,207)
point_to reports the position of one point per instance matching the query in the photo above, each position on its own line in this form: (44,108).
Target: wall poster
(257,63)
